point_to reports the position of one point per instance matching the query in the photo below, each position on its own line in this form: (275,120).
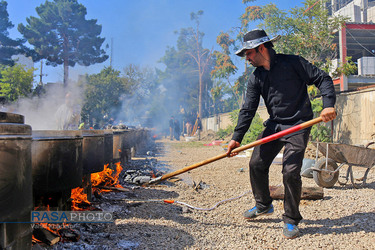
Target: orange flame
(47,226)
(108,177)
(78,197)
(35,240)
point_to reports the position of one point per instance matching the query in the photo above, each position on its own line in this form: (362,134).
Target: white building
(357,40)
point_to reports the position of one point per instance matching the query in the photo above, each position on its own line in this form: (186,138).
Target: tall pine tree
(62,35)
(8,46)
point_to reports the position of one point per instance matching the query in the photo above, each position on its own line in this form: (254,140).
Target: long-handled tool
(239,149)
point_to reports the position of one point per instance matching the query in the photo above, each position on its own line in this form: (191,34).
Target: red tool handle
(239,149)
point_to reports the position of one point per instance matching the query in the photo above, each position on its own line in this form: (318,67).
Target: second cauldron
(56,160)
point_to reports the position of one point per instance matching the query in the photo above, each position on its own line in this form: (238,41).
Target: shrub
(251,135)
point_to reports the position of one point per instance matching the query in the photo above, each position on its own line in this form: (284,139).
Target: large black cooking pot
(123,141)
(142,140)
(139,141)
(93,151)
(108,146)
(15,182)
(129,139)
(56,160)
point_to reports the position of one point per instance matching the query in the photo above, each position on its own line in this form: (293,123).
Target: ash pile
(140,172)
(136,172)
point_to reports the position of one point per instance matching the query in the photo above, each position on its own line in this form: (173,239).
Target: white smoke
(39,111)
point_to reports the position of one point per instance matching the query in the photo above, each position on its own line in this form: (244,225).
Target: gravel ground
(344,219)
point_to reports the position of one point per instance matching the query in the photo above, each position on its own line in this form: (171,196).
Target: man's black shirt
(284,90)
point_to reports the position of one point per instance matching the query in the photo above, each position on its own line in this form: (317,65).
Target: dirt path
(344,219)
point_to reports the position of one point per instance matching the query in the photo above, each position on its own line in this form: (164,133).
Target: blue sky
(142,29)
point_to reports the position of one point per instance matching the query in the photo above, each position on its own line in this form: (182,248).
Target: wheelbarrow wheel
(324,178)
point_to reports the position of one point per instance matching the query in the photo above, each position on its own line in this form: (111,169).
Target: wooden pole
(239,149)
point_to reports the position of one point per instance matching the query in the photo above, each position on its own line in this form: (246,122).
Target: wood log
(46,236)
(308,193)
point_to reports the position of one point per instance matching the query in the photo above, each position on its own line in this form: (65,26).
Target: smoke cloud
(40,111)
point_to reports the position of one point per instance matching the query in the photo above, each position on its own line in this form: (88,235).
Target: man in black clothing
(177,129)
(281,80)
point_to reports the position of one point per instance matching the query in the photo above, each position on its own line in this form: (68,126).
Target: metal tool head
(155,180)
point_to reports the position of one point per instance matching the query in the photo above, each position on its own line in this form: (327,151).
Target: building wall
(366,66)
(355,122)
(371,12)
(222,121)
(351,10)
(357,10)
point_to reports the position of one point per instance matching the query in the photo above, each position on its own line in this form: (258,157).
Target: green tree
(103,93)
(348,68)
(143,104)
(187,65)
(62,35)
(15,82)
(230,42)
(224,66)
(217,92)
(8,46)
(308,32)
(201,57)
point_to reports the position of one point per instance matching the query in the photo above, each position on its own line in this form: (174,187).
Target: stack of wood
(42,235)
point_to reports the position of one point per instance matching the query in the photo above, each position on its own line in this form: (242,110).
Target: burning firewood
(79,199)
(107,178)
(104,181)
(46,236)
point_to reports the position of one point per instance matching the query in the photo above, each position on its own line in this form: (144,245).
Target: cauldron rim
(56,134)
(6,117)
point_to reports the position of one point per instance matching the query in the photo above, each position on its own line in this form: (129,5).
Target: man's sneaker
(255,212)
(290,231)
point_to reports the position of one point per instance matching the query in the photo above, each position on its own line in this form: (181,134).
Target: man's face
(254,57)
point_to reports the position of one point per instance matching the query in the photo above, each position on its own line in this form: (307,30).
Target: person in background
(177,130)
(67,116)
(188,128)
(282,81)
(95,124)
(199,128)
(171,128)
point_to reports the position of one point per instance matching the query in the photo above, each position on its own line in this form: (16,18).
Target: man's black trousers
(261,161)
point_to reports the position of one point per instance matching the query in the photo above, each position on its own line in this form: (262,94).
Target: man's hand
(328,114)
(232,145)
